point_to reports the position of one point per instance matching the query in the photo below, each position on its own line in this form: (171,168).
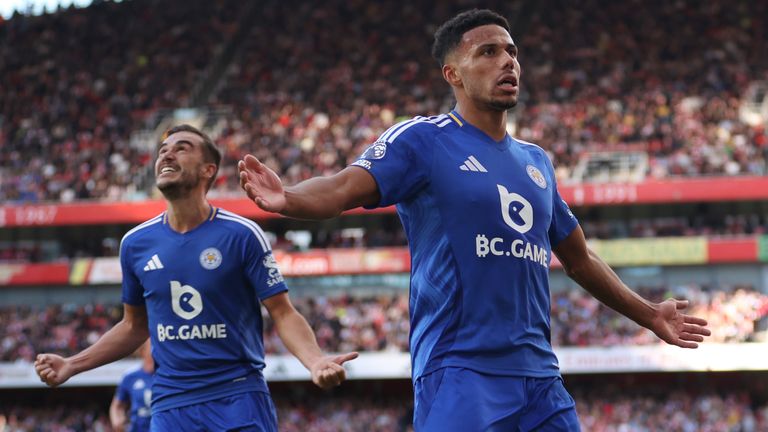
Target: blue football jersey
(135,389)
(202,290)
(481,217)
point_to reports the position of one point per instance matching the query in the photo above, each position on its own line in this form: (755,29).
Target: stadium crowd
(78,82)
(350,322)
(58,418)
(345,415)
(676,411)
(734,315)
(666,79)
(26,331)
(677,102)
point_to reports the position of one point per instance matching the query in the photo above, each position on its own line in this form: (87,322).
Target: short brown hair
(211,153)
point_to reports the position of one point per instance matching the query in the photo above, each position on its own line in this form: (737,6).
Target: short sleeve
(133,292)
(261,267)
(122,393)
(563,221)
(399,161)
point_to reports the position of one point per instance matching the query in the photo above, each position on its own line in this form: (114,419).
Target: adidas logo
(472,164)
(153,264)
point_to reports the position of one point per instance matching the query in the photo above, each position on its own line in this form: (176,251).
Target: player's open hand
(52,369)
(261,184)
(329,371)
(676,328)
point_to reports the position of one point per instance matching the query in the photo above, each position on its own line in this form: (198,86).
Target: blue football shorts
(244,412)
(462,400)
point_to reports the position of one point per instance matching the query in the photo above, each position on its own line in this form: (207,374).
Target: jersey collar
(469,128)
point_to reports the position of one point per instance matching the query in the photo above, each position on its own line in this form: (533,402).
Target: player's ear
(209,170)
(451,74)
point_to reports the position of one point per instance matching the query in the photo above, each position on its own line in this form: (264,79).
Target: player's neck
(493,123)
(185,214)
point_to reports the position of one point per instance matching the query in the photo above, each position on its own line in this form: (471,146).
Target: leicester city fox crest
(210,258)
(536,176)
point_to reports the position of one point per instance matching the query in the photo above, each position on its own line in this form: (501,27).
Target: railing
(615,166)
(754,104)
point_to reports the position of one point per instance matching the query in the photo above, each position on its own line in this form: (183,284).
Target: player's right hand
(329,371)
(262,185)
(52,369)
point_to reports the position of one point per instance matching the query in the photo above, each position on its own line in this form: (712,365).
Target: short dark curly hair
(449,35)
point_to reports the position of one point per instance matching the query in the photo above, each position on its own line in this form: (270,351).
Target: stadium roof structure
(37,7)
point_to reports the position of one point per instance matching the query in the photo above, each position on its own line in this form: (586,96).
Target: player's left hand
(328,372)
(676,328)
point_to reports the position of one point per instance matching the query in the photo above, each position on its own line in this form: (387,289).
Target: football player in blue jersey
(482,214)
(131,406)
(194,280)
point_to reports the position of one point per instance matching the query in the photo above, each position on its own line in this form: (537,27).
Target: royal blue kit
(202,290)
(135,389)
(481,217)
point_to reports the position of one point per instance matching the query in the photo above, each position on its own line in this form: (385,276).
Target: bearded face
(179,167)
(178,181)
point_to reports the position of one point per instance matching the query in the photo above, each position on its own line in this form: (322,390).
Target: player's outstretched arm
(293,329)
(315,198)
(117,414)
(665,319)
(121,340)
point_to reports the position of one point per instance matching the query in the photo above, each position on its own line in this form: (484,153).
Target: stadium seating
(677,102)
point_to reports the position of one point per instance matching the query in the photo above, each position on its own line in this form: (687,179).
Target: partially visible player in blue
(482,214)
(131,405)
(194,278)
